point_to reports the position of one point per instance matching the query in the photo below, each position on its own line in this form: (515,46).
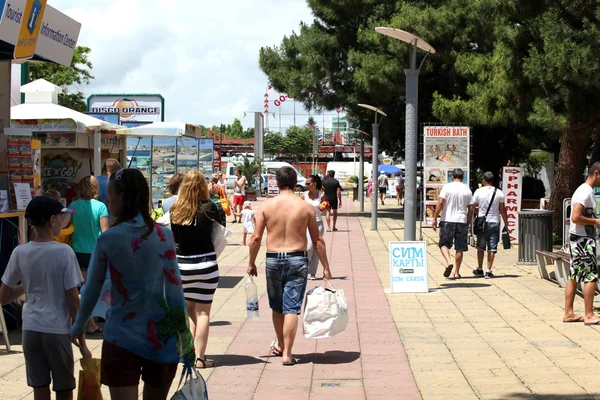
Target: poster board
(408,267)
(272,187)
(512,187)
(163,165)
(444,149)
(206,157)
(187,155)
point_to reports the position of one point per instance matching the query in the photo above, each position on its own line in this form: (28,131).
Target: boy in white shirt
(49,276)
(248,219)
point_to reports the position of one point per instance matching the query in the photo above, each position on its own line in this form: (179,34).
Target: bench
(560,260)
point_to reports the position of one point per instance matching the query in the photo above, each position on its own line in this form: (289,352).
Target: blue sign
(408,267)
(135,124)
(34,16)
(111,118)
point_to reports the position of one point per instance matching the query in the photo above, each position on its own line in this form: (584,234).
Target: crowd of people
(153,286)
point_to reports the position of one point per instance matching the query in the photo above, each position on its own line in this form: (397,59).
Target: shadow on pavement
(546,396)
(220,323)
(464,285)
(233,360)
(229,282)
(330,357)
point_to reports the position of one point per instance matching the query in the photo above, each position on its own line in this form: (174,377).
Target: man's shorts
(84,261)
(286,281)
(49,354)
(584,266)
(239,200)
(333,204)
(122,368)
(489,238)
(383,190)
(454,233)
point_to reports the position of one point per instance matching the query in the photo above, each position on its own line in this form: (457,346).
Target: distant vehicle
(345,169)
(269,167)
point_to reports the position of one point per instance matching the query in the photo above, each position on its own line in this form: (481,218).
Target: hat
(247,204)
(41,208)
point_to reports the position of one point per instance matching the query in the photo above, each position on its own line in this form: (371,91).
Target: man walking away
(491,210)
(399,187)
(111,166)
(456,206)
(333,194)
(582,245)
(286,218)
(382,183)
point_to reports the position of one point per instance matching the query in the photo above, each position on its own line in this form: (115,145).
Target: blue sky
(201,56)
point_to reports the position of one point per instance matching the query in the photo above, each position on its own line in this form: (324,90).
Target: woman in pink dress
(370,188)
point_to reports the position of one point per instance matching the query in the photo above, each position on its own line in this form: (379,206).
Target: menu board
(187,155)
(163,165)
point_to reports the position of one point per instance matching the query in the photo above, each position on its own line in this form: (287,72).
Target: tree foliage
(522,73)
(297,142)
(273,143)
(78,74)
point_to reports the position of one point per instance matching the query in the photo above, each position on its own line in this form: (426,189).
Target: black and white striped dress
(197,258)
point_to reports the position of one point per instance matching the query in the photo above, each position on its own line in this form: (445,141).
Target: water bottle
(251,299)
(505,240)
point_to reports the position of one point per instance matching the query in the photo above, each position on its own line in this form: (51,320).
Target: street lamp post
(361,170)
(412,89)
(375,157)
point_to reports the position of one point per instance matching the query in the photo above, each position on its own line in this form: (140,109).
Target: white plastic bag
(165,220)
(325,312)
(220,237)
(194,387)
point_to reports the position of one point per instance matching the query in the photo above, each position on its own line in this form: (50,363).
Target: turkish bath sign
(408,267)
(512,187)
(130,107)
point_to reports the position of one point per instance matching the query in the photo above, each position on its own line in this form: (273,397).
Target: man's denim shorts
(489,238)
(286,282)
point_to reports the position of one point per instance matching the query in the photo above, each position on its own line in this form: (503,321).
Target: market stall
(53,147)
(161,149)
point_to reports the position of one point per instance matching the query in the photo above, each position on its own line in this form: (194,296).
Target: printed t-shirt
(584,195)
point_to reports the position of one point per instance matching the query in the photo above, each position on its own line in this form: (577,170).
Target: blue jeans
(489,238)
(286,283)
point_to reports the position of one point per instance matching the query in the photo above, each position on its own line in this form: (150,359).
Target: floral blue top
(147,313)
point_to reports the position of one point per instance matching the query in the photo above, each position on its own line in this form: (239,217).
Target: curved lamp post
(375,157)
(411,146)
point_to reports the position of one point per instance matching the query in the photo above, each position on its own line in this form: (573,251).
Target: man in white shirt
(491,236)
(582,246)
(382,183)
(456,206)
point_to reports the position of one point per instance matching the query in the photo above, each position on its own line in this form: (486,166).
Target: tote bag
(325,312)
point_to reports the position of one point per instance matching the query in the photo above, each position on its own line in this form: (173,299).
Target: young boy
(248,219)
(49,275)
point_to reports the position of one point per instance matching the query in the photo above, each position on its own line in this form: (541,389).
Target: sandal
(206,363)
(96,331)
(274,350)
(290,363)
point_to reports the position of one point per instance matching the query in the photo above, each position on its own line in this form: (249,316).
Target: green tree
(311,122)
(273,144)
(250,168)
(77,74)
(297,142)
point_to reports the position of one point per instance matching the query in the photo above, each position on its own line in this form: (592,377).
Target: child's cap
(41,208)
(247,204)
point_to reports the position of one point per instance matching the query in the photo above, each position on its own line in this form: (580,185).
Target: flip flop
(579,319)
(274,350)
(592,323)
(291,363)
(448,270)
(335,229)
(206,363)
(99,330)
(328,230)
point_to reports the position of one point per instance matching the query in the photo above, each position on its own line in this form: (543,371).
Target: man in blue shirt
(111,166)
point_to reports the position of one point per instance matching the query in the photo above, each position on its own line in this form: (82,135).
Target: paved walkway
(490,339)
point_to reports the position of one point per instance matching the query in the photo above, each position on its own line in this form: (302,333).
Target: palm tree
(250,168)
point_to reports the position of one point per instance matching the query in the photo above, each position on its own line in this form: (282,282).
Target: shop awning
(164,129)
(48,117)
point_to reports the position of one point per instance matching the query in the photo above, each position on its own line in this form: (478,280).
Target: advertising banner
(445,148)
(272,188)
(43,125)
(187,155)
(130,107)
(30,29)
(408,267)
(58,37)
(206,157)
(111,118)
(512,182)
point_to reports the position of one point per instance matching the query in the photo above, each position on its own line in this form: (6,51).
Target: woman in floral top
(146,329)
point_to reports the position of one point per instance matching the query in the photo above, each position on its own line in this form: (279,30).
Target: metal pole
(412,86)
(374,175)
(361,174)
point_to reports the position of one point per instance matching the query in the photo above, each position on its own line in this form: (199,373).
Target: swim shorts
(286,281)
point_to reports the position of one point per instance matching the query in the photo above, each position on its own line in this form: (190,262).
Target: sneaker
(478,272)
(489,275)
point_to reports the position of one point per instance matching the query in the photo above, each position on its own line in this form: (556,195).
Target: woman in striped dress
(192,216)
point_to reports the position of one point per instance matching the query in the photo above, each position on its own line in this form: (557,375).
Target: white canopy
(164,129)
(51,111)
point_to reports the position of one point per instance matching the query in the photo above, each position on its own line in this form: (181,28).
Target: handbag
(220,236)
(225,204)
(480,223)
(89,380)
(165,220)
(325,312)
(194,387)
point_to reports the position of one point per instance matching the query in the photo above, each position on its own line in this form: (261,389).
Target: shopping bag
(225,205)
(220,237)
(165,220)
(194,387)
(89,380)
(325,312)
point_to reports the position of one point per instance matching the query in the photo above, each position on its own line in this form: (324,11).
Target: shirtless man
(286,218)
